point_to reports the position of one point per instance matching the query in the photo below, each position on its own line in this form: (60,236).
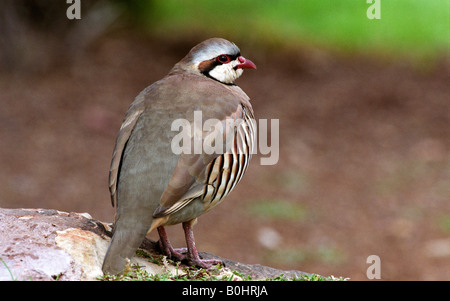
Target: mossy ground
(186,273)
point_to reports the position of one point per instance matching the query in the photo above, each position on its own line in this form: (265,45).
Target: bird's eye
(223,58)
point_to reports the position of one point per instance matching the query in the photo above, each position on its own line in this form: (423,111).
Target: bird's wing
(190,177)
(129,122)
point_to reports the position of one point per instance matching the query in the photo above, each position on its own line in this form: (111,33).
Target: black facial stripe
(234,56)
(208,66)
(205,67)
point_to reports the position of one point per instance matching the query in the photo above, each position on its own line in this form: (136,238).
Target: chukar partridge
(154,186)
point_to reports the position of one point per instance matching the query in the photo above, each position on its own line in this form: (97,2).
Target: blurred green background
(417,29)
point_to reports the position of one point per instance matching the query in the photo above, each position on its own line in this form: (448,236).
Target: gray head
(217,59)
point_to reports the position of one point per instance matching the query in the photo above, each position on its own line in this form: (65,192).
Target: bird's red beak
(245,63)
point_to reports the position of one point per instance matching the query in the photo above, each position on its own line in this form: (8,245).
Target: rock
(35,244)
(43,244)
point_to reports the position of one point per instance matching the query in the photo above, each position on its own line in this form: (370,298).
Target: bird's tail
(128,236)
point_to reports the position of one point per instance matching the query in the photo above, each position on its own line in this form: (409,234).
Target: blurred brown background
(364,132)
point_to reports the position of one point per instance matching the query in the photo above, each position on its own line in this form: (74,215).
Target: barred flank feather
(227,170)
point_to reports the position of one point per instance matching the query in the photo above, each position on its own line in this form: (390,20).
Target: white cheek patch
(226,73)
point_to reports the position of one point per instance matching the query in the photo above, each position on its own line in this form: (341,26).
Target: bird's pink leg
(192,255)
(166,246)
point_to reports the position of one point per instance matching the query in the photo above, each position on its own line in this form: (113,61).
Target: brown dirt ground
(364,152)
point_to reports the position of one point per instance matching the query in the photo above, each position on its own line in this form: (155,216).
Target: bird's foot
(192,255)
(203,263)
(181,251)
(166,247)
(175,254)
(172,253)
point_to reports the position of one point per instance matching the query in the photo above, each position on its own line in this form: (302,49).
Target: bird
(153,186)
